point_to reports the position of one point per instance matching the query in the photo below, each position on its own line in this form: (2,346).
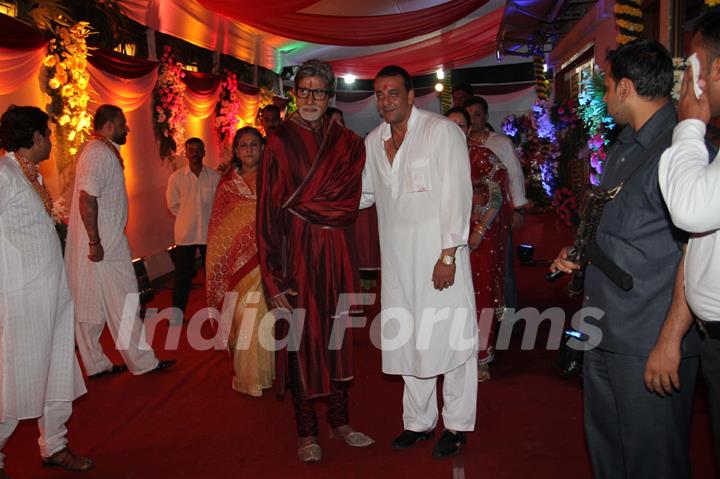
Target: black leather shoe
(449,444)
(115,369)
(409,438)
(168,363)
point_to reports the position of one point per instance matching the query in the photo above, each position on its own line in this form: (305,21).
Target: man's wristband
(94,243)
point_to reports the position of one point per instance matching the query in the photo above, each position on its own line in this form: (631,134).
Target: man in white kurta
(40,376)
(98,258)
(418,175)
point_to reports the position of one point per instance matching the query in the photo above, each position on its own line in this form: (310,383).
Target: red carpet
(187,423)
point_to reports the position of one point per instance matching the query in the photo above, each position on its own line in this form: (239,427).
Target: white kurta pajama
(40,376)
(423,201)
(100,289)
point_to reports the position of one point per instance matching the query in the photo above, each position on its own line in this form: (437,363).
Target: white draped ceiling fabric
(150,224)
(194,23)
(189,20)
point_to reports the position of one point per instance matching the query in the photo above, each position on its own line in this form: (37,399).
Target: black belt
(710,329)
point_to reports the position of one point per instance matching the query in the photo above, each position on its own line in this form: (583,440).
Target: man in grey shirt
(639,380)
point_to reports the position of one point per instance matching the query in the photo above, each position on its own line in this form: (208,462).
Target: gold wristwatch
(448,259)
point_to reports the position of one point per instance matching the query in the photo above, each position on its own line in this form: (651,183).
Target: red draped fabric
(15,35)
(121,65)
(362,30)
(308,191)
(243,9)
(202,83)
(452,49)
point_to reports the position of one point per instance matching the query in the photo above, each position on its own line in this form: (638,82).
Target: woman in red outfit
(490,222)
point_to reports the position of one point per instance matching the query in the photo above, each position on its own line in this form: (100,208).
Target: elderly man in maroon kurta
(309,189)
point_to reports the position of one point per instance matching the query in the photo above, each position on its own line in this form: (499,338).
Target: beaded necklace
(30,170)
(110,145)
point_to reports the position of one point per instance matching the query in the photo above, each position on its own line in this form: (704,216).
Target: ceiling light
(350,78)
(438,87)
(440,74)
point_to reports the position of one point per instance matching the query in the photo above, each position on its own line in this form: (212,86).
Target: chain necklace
(481,138)
(30,170)
(392,137)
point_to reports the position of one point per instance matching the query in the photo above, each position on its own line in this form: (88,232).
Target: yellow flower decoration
(636,27)
(68,81)
(628,10)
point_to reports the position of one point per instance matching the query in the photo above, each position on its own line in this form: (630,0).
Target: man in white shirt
(417,173)
(40,375)
(690,184)
(97,254)
(190,193)
(505,151)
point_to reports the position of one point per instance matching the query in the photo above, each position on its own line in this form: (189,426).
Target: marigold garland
(169,112)
(628,17)
(67,88)
(541,83)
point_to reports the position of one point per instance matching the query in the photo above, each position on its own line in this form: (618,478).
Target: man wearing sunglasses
(309,185)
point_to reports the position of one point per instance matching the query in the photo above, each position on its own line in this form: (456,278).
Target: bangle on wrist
(94,243)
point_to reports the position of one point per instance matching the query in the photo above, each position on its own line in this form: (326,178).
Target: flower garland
(679,67)
(227,111)
(67,88)
(628,17)
(265,98)
(61,218)
(169,112)
(592,110)
(712,3)
(566,205)
(542,86)
(292,101)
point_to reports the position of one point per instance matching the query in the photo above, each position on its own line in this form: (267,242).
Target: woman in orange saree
(232,266)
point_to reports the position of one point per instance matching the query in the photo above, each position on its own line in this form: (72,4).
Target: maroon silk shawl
(309,188)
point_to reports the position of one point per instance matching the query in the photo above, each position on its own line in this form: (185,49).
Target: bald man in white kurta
(423,201)
(100,289)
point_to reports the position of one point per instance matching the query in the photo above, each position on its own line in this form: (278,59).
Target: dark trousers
(184,271)
(710,361)
(632,433)
(305,417)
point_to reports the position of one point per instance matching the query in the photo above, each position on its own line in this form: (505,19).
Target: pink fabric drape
(19,66)
(452,49)
(128,94)
(361,30)
(254,9)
